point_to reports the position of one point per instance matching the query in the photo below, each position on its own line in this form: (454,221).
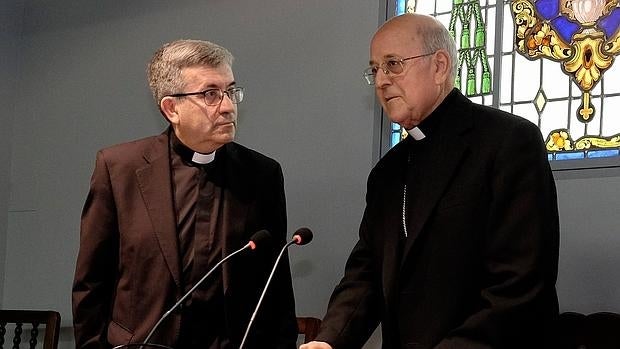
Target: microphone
(256,240)
(301,237)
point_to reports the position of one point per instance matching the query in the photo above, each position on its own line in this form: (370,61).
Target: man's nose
(381,78)
(226,104)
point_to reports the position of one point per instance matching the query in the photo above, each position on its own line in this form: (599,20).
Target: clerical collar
(187,154)
(416,133)
(203,159)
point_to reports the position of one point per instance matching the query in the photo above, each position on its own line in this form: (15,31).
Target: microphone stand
(248,245)
(260,300)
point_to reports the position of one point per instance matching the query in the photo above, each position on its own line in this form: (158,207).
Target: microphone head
(259,238)
(302,236)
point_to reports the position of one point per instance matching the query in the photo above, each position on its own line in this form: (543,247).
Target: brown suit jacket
(127,273)
(479,265)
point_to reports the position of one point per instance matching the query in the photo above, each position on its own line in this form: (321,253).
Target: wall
(80,85)
(10,31)
(83,87)
(588,279)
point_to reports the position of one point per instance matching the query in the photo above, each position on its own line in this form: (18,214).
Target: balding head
(427,32)
(414,58)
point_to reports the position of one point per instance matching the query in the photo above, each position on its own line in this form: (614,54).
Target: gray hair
(437,37)
(164,69)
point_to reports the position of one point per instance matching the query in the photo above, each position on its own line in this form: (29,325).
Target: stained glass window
(549,61)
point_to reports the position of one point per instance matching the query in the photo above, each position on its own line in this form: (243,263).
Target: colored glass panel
(401,6)
(603,153)
(548,8)
(610,23)
(565,28)
(569,156)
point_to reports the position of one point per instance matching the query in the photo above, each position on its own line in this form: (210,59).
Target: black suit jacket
(479,266)
(127,272)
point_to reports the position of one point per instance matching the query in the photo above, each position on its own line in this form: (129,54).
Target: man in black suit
(458,245)
(163,210)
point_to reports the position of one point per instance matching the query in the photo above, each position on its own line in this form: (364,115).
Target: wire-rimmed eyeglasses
(393,66)
(214,96)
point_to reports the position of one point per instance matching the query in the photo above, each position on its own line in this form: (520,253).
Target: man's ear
(168,107)
(442,66)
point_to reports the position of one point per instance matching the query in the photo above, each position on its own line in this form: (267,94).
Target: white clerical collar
(203,159)
(416,133)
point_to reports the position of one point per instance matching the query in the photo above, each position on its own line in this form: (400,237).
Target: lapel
(445,152)
(155,185)
(234,205)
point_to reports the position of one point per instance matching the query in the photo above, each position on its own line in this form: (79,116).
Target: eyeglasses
(391,66)
(214,96)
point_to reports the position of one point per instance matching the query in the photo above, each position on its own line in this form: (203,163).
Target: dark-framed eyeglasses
(214,96)
(393,66)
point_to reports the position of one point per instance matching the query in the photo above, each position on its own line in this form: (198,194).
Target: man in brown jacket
(163,210)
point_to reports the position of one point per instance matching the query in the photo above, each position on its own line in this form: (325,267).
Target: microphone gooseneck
(301,237)
(258,238)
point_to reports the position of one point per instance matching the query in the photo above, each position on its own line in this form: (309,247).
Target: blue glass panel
(569,156)
(395,127)
(609,24)
(565,28)
(401,7)
(395,138)
(603,153)
(548,8)
(549,157)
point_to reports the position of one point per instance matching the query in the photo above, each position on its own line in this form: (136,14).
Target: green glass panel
(473,53)
(486,82)
(471,83)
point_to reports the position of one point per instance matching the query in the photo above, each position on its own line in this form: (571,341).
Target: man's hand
(315,345)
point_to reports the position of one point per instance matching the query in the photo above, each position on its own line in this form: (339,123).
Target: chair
(594,331)
(50,320)
(308,327)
